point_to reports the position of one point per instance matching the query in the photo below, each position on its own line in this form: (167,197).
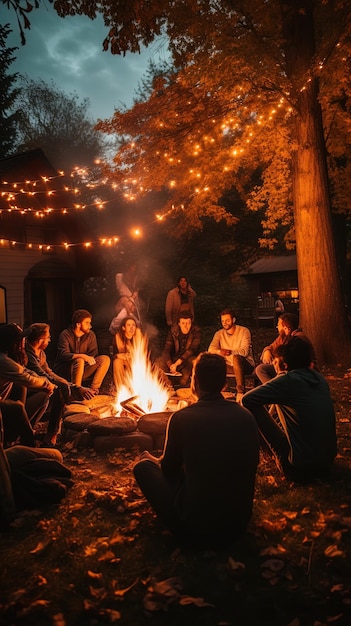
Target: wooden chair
(264,315)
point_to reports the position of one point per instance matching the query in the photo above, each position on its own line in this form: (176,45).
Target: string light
(103,241)
(131,188)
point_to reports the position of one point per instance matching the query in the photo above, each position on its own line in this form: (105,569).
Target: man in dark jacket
(77,357)
(181,348)
(299,429)
(202,486)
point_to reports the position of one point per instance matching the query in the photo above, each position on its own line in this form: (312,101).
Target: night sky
(69,52)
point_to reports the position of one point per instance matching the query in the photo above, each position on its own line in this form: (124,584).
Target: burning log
(131,406)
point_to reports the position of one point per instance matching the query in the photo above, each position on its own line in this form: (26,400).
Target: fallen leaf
(305,511)
(107,556)
(113,616)
(120,593)
(296,528)
(273,526)
(290,514)
(200,602)
(58,620)
(98,593)
(94,575)
(339,587)
(235,565)
(274,565)
(41,546)
(272,550)
(32,606)
(332,551)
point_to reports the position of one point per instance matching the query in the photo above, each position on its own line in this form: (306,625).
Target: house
(273,275)
(37,279)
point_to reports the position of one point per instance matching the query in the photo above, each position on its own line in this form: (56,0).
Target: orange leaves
(162,594)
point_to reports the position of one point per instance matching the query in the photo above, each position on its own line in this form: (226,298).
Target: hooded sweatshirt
(306,412)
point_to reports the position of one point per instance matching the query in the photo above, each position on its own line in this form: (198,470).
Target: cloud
(69,52)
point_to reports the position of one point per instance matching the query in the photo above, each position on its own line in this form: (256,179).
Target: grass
(101,556)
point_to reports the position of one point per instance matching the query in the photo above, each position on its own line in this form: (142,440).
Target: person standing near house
(233,342)
(125,307)
(278,306)
(179,299)
(127,285)
(77,357)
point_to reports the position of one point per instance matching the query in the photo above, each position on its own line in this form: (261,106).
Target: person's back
(203,485)
(218,441)
(305,441)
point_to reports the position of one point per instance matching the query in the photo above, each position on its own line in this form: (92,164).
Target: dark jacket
(172,349)
(68,345)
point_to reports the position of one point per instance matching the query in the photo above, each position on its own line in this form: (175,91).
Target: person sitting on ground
(20,416)
(288,328)
(124,343)
(37,340)
(234,343)
(29,477)
(77,357)
(300,433)
(125,307)
(202,486)
(181,348)
(179,299)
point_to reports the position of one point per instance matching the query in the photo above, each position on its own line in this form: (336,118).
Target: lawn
(101,556)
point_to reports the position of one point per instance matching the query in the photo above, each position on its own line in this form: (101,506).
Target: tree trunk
(322,310)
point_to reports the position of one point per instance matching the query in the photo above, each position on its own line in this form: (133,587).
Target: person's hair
(180,278)
(227,311)
(185,315)
(121,331)
(210,372)
(36,331)
(120,337)
(79,315)
(10,336)
(297,353)
(290,320)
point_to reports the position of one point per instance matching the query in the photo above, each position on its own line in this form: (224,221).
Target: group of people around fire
(202,486)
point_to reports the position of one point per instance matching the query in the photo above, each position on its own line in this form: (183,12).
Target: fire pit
(136,416)
(97,423)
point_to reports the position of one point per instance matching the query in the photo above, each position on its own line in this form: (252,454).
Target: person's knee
(103,361)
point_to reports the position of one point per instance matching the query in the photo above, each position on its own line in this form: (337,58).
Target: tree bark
(322,310)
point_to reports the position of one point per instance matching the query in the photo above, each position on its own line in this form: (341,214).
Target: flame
(143,381)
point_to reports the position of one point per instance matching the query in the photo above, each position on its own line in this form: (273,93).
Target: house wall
(14,266)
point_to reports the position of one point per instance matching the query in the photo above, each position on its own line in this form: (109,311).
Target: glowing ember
(143,382)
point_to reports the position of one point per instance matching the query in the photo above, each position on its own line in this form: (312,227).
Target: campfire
(144,390)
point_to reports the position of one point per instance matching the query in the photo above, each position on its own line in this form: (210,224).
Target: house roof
(272,264)
(32,163)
